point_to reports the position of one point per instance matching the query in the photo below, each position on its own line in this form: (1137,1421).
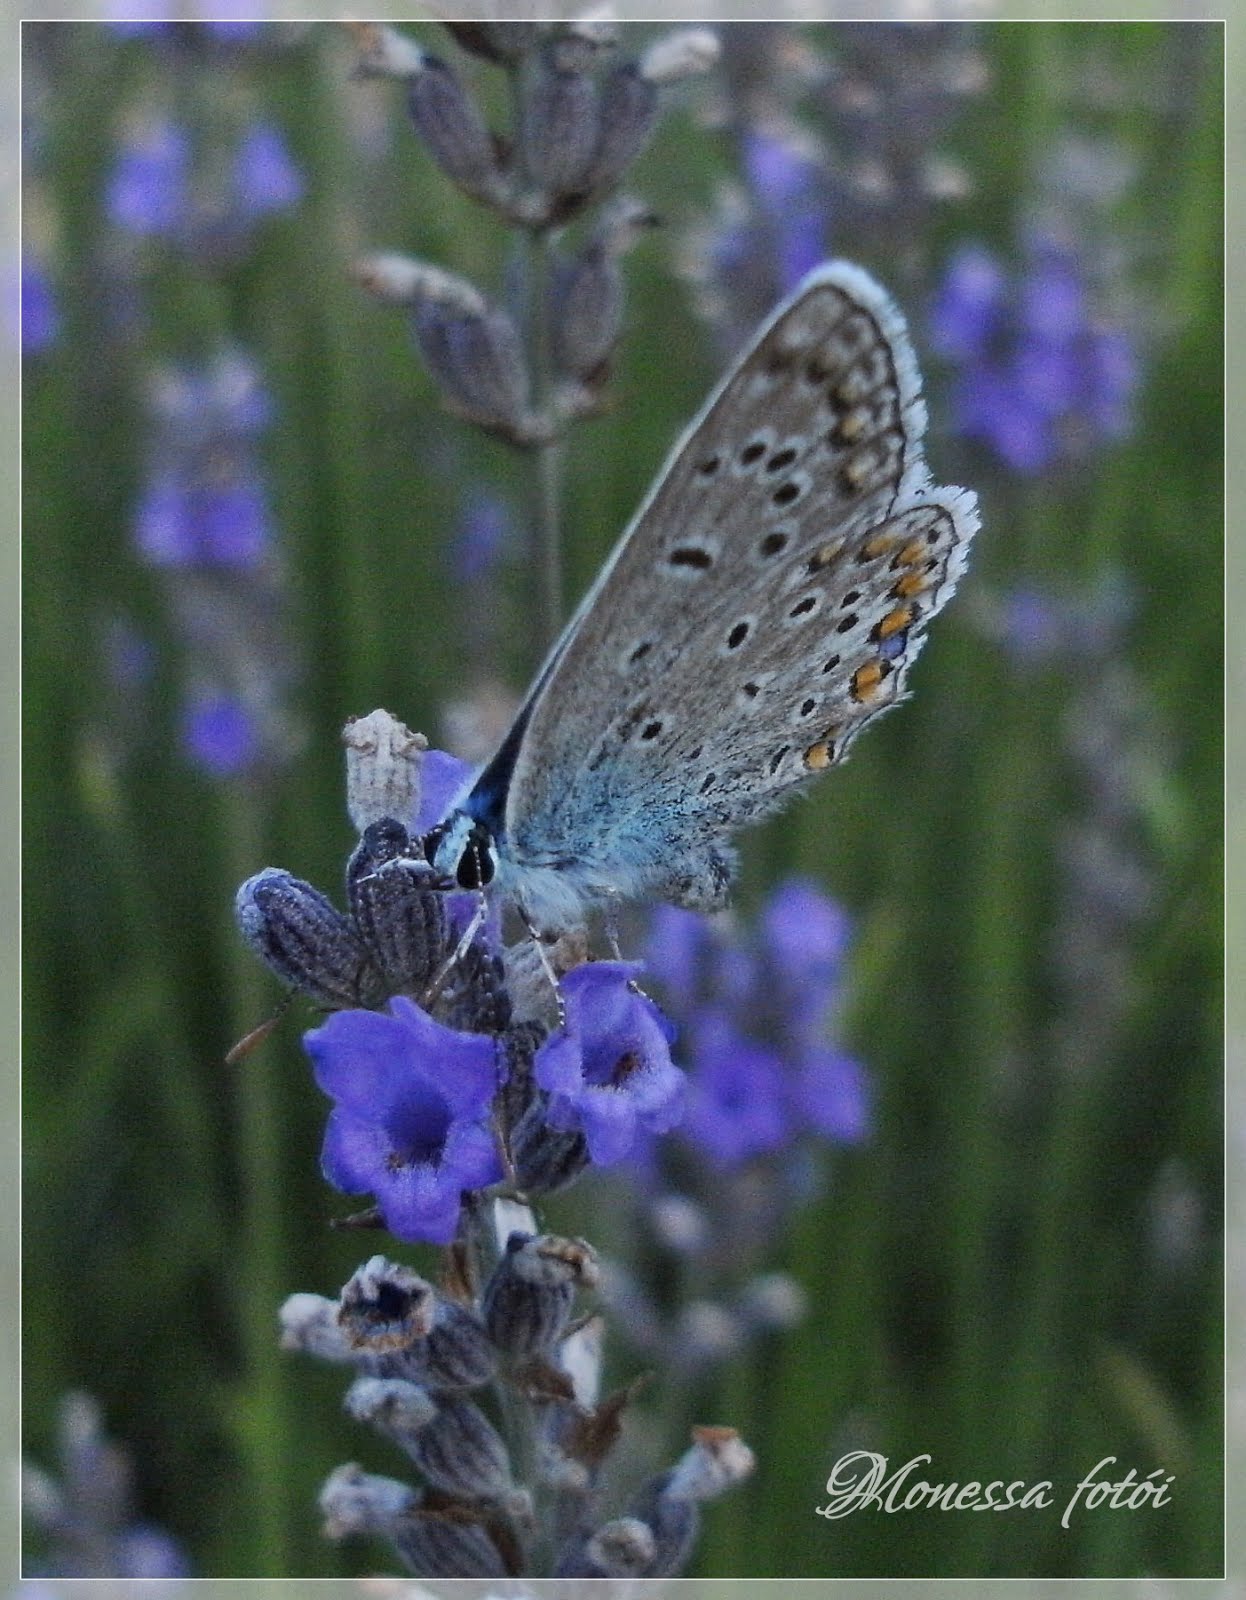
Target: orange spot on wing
(820,755)
(913,552)
(910,584)
(894,621)
(877,546)
(866,679)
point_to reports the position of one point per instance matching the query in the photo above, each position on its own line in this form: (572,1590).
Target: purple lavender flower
(147,1551)
(181,523)
(609,1070)
(761,1071)
(478,542)
(676,950)
(204,503)
(832,1094)
(737,1093)
(266,179)
(148,189)
(442,778)
(232,30)
(219,734)
(785,183)
(805,936)
(1040,377)
(969,304)
(39,320)
(411,1121)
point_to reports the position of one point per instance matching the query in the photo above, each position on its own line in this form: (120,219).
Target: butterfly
(764,604)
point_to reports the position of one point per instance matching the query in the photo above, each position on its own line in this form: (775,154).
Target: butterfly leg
(540,940)
(443,972)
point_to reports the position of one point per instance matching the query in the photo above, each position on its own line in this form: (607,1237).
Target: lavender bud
(453,130)
(705,1333)
(456,1353)
(386,1308)
(451,1539)
(773,1302)
(624,1548)
(383,52)
(450,1440)
(629,112)
(527,1301)
(597,28)
(407,281)
(586,312)
(674,1524)
(309,1323)
(717,1461)
(355,1501)
(400,916)
(519,1045)
(382,768)
(300,935)
(545,1159)
(396,1407)
(685,53)
(495,41)
(559,126)
(679,1223)
(479,363)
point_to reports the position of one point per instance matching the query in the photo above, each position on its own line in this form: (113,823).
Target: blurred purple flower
(146,1551)
(784,180)
(233,31)
(179,523)
(266,179)
(411,1121)
(805,936)
(204,503)
(609,1070)
(442,777)
(1039,378)
(39,320)
(676,951)
(220,735)
(148,188)
(736,1094)
(832,1092)
(479,539)
(760,1069)
(969,304)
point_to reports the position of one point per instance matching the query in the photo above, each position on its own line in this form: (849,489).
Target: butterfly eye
(476,865)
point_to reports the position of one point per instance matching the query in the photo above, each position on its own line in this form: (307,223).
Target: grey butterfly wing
(764,604)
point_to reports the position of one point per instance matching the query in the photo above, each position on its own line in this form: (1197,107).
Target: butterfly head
(462,848)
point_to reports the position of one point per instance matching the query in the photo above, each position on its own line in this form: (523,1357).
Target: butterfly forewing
(764,603)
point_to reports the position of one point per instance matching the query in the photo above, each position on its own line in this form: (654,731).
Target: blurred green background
(1020,1273)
